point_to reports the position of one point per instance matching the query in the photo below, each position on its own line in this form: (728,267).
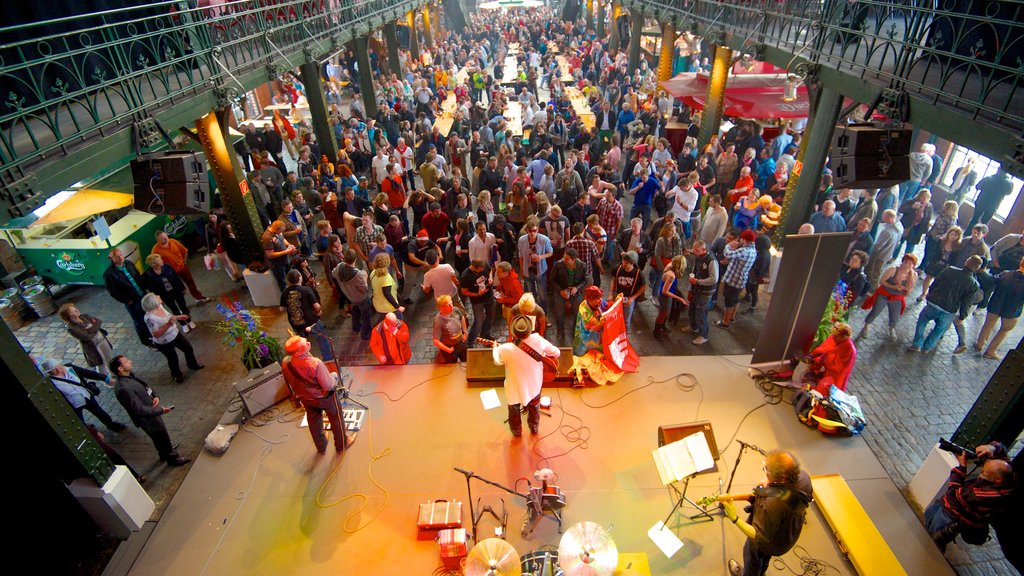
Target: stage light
(792,84)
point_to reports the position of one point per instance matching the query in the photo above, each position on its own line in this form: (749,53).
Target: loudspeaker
(869,171)
(869,140)
(480,368)
(672,432)
(173,182)
(262,389)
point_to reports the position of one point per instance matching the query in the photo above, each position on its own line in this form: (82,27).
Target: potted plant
(836,310)
(243,329)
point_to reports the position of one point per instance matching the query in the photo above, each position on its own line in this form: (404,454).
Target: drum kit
(586,549)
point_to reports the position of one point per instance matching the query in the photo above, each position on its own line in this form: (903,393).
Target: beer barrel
(16,301)
(30,282)
(39,300)
(10,314)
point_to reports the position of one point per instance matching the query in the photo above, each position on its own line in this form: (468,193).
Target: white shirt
(481,249)
(155,319)
(380,165)
(685,202)
(523,375)
(439,279)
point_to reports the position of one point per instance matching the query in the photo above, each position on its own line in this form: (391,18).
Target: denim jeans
(699,315)
(318,334)
(538,286)
(942,321)
(483,316)
(643,211)
(361,314)
(627,311)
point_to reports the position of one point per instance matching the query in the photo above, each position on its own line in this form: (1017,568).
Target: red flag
(619,354)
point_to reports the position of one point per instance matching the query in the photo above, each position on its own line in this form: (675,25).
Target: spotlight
(792,84)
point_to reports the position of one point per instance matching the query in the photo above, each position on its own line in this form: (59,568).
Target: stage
(254,509)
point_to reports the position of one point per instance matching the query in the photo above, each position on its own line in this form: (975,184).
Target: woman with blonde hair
(670,303)
(382,286)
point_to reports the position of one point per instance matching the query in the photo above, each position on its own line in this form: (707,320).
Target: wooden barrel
(39,300)
(11,315)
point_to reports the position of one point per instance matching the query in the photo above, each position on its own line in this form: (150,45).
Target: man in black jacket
(143,407)
(124,284)
(951,295)
(568,277)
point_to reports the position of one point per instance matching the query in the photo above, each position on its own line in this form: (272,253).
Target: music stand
(682,460)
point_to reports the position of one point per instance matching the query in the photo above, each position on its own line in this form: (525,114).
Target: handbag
(210,261)
(87,384)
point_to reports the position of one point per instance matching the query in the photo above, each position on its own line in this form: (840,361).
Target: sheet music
(683,458)
(490,399)
(665,540)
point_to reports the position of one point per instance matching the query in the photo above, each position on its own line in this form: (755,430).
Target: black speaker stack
(869,156)
(173,182)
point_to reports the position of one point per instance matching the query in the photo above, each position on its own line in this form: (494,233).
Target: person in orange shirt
(389,341)
(744,185)
(175,255)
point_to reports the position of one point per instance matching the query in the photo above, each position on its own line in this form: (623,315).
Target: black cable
(740,425)
(576,435)
(809,566)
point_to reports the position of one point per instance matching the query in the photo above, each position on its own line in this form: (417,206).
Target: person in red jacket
(389,341)
(509,289)
(832,361)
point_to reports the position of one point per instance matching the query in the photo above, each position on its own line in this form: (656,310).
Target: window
(984,167)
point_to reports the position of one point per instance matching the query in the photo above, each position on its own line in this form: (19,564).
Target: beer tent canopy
(746,95)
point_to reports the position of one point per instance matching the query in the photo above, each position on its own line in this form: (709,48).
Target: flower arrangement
(836,310)
(244,329)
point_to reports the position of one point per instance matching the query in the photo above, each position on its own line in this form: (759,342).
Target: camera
(956,449)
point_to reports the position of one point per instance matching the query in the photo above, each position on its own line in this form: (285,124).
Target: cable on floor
(684,381)
(432,378)
(809,566)
(366,500)
(578,436)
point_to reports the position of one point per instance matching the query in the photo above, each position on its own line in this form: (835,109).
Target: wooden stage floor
(255,510)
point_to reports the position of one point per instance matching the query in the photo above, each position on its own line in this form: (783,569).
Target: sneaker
(178,461)
(700,340)
(990,356)
(184,329)
(191,325)
(722,325)
(892,334)
(978,347)
(687,330)
(202,300)
(863,333)
(734,568)
(913,349)
(960,349)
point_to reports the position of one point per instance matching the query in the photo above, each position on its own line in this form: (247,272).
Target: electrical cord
(578,436)
(809,566)
(403,395)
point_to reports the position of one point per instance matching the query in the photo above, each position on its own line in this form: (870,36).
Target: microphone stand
(469,489)
(743,448)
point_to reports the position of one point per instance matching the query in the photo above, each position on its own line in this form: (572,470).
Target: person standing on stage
(524,372)
(779,507)
(315,387)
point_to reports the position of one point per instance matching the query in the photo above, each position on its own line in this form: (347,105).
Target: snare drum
(534,564)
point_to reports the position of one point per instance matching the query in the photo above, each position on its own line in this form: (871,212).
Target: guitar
(709,500)
(549,364)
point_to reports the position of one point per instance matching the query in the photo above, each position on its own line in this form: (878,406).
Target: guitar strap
(530,351)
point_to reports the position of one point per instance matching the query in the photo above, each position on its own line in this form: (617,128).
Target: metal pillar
(590,14)
(711,119)
(803,183)
(366,75)
(668,50)
(391,37)
(636,28)
(600,18)
(414,40)
(428,34)
(239,204)
(310,72)
(616,12)
(998,412)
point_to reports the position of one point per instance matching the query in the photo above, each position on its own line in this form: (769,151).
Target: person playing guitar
(525,359)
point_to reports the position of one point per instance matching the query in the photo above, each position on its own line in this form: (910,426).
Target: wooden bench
(856,535)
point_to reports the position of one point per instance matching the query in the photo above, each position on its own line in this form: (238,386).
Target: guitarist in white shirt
(524,372)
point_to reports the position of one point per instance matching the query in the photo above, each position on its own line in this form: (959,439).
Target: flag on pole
(619,354)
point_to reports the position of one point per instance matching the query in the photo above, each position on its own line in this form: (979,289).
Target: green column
(391,37)
(366,75)
(636,28)
(590,14)
(239,202)
(600,19)
(310,72)
(802,188)
(712,116)
(414,39)
(428,32)
(616,12)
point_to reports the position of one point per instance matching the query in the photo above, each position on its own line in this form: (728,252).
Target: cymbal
(586,549)
(493,557)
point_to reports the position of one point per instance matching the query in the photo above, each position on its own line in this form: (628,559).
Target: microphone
(752,447)
(467,473)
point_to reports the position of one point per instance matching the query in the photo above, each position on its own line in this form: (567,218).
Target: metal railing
(71,80)
(963,55)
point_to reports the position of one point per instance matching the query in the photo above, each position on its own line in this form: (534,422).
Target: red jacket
(511,289)
(393,347)
(834,362)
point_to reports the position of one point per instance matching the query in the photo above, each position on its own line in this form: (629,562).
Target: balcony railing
(71,80)
(963,55)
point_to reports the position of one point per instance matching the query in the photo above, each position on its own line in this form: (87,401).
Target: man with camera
(969,503)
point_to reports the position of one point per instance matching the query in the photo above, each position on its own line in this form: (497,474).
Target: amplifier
(480,368)
(869,171)
(170,166)
(262,389)
(180,198)
(869,140)
(670,433)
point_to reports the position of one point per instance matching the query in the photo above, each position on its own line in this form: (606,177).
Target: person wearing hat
(315,387)
(74,383)
(416,264)
(739,258)
(524,372)
(589,322)
(144,408)
(627,282)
